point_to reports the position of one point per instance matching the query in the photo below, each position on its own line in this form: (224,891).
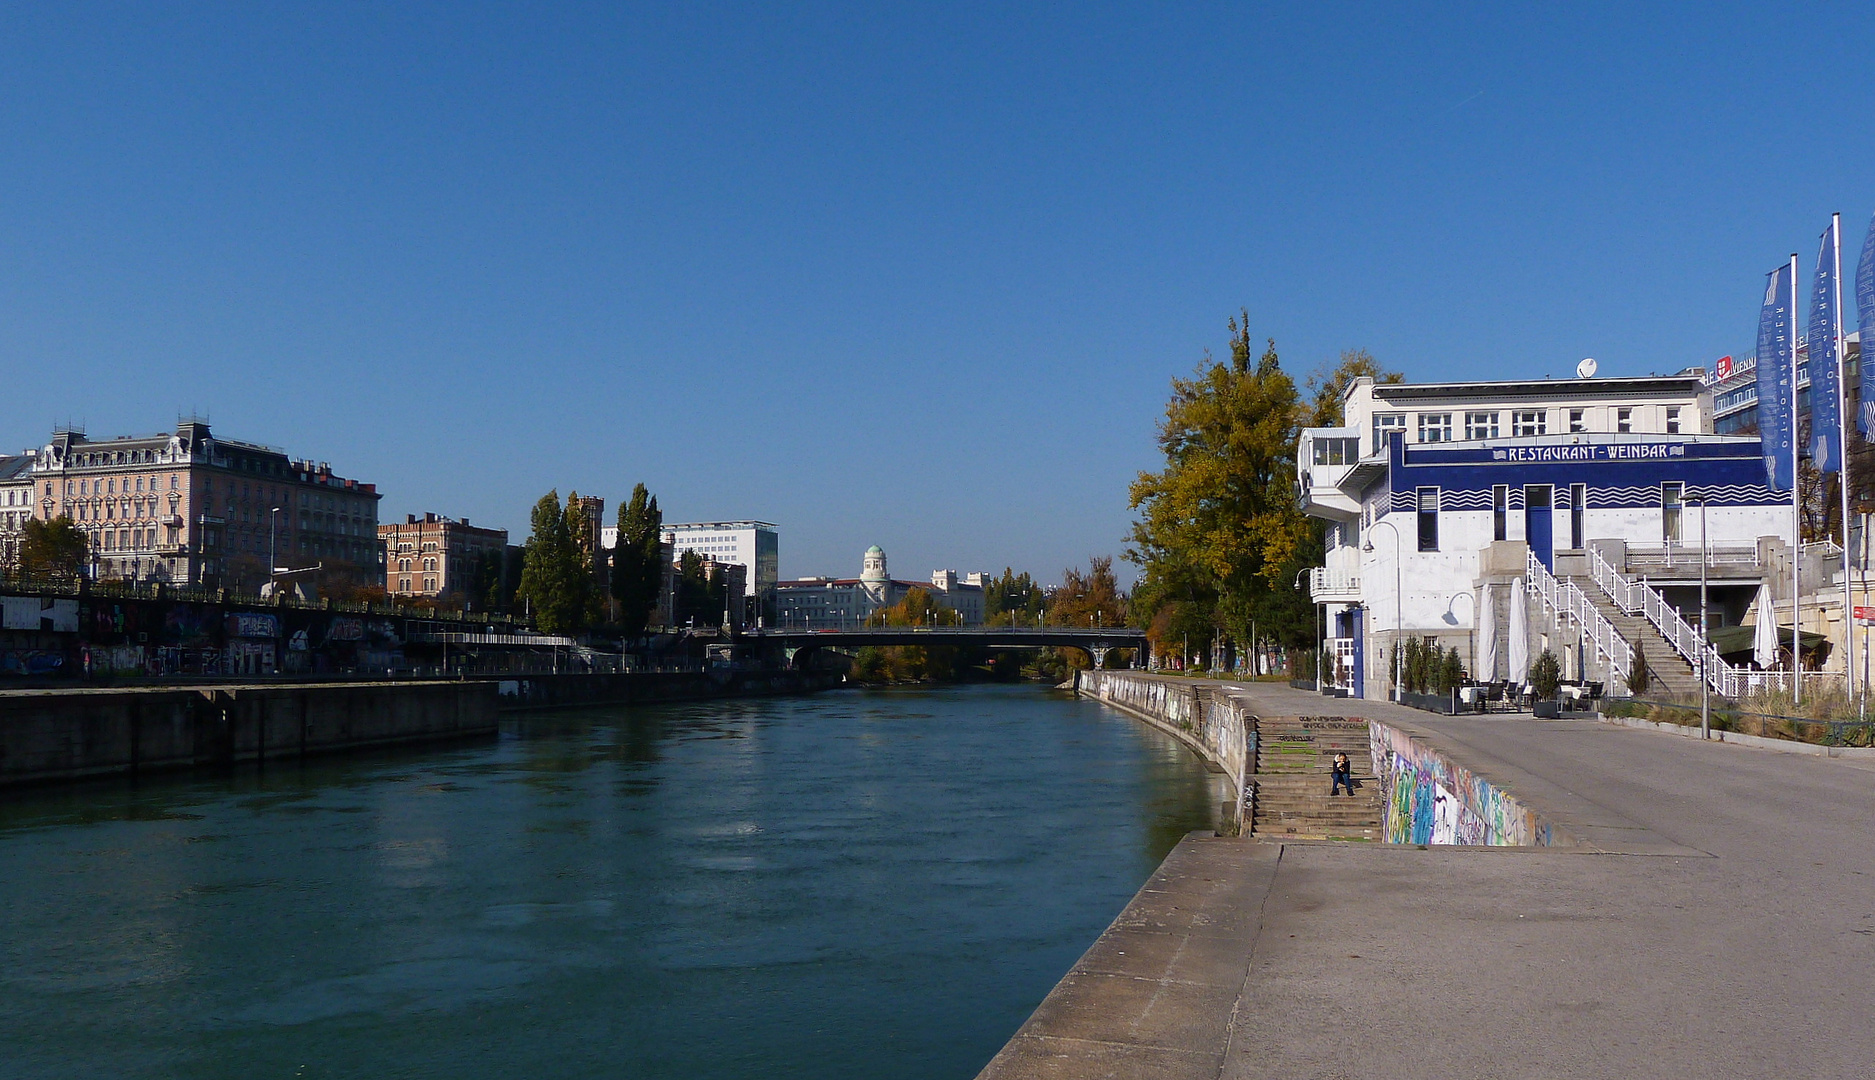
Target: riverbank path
(1717,920)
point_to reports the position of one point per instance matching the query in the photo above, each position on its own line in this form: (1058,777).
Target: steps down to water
(1292,778)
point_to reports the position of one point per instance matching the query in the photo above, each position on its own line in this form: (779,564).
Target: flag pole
(1796,511)
(1842,478)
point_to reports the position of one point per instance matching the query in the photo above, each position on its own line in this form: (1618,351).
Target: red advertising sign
(1723,369)
(1864,614)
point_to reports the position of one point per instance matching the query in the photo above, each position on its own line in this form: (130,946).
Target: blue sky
(879,273)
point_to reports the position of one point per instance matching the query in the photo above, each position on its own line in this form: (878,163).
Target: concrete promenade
(1717,919)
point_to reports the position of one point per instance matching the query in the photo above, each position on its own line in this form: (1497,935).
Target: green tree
(638,561)
(1328,388)
(1219,526)
(1013,599)
(701,593)
(1546,675)
(53,549)
(555,580)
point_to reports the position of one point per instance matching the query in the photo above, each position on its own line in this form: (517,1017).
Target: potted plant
(1545,679)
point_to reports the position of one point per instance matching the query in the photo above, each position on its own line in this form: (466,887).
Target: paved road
(1720,922)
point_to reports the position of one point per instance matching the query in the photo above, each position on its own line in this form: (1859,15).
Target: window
(1385,423)
(1428,519)
(1673,419)
(1480,425)
(1529,422)
(1578,421)
(1672,494)
(1435,427)
(1336,451)
(1624,421)
(1500,511)
(1578,506)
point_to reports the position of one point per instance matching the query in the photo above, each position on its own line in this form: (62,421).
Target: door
(1536,524)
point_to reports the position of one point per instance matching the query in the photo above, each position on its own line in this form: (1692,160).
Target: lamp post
(273,557)
(1398,607)
(1297,584)
(1705,633)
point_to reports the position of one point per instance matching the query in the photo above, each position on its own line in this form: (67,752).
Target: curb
(1785,745)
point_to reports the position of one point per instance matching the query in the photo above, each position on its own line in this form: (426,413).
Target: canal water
(855,884)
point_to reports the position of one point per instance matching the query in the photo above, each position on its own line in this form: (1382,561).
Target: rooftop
(1686,383)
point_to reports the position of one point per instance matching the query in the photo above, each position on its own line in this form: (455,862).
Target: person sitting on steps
(1343,771)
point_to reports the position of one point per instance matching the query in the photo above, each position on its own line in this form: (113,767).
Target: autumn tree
(1090,599)
(53,549)
(638,561)
(1219,526)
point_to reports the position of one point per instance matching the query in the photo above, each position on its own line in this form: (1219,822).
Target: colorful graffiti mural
(1431,799)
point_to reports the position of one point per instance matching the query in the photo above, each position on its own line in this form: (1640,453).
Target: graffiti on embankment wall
(1431,799)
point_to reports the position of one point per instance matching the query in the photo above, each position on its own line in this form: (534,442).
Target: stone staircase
(1672,674)
(1291,778)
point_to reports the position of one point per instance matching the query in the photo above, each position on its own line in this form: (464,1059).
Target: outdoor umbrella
(1519,634)
(1764,642)
(1487,639)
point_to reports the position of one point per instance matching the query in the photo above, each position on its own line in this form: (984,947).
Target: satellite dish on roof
(1586,369)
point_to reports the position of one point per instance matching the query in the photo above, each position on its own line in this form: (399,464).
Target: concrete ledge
(1788,746)
(1155,996)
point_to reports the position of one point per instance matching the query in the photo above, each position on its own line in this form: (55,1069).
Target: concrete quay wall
(48,735)
(1429,798)
(1219,728)
(651,687)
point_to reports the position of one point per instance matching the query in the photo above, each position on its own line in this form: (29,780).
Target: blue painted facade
(1617,474)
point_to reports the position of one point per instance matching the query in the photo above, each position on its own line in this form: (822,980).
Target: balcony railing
(1326,585)
(1686,556)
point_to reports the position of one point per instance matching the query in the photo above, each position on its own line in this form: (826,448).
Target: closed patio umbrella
(1487,639)
(1519,646)
(1764,642)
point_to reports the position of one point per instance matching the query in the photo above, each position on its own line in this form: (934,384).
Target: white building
(753,545)
(833,603)
(1442,498)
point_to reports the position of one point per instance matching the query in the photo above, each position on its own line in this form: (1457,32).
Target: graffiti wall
(1431,799)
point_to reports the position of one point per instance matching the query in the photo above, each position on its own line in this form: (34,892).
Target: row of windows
(1537,500)
(1485,424)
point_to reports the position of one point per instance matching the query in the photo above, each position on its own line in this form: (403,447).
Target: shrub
(1546,675)
(1638,679)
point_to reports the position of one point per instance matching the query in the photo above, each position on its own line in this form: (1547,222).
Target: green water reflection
(855,884)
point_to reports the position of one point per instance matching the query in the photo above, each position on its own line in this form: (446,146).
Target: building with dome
(820,603)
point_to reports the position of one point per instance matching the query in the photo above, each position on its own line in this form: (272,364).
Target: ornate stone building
(189,507)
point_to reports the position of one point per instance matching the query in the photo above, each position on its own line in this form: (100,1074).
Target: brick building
(437,556)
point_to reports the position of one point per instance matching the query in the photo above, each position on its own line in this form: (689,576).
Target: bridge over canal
(1095,641)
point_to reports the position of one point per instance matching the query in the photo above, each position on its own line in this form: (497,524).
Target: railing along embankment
(1218,728)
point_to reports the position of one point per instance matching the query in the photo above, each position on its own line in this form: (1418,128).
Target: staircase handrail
(1638,596)
(1566,598)
(1619,589)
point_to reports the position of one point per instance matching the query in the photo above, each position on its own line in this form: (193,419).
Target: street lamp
(1705,634)
(1398,617)
(273,547)
(1471,635)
